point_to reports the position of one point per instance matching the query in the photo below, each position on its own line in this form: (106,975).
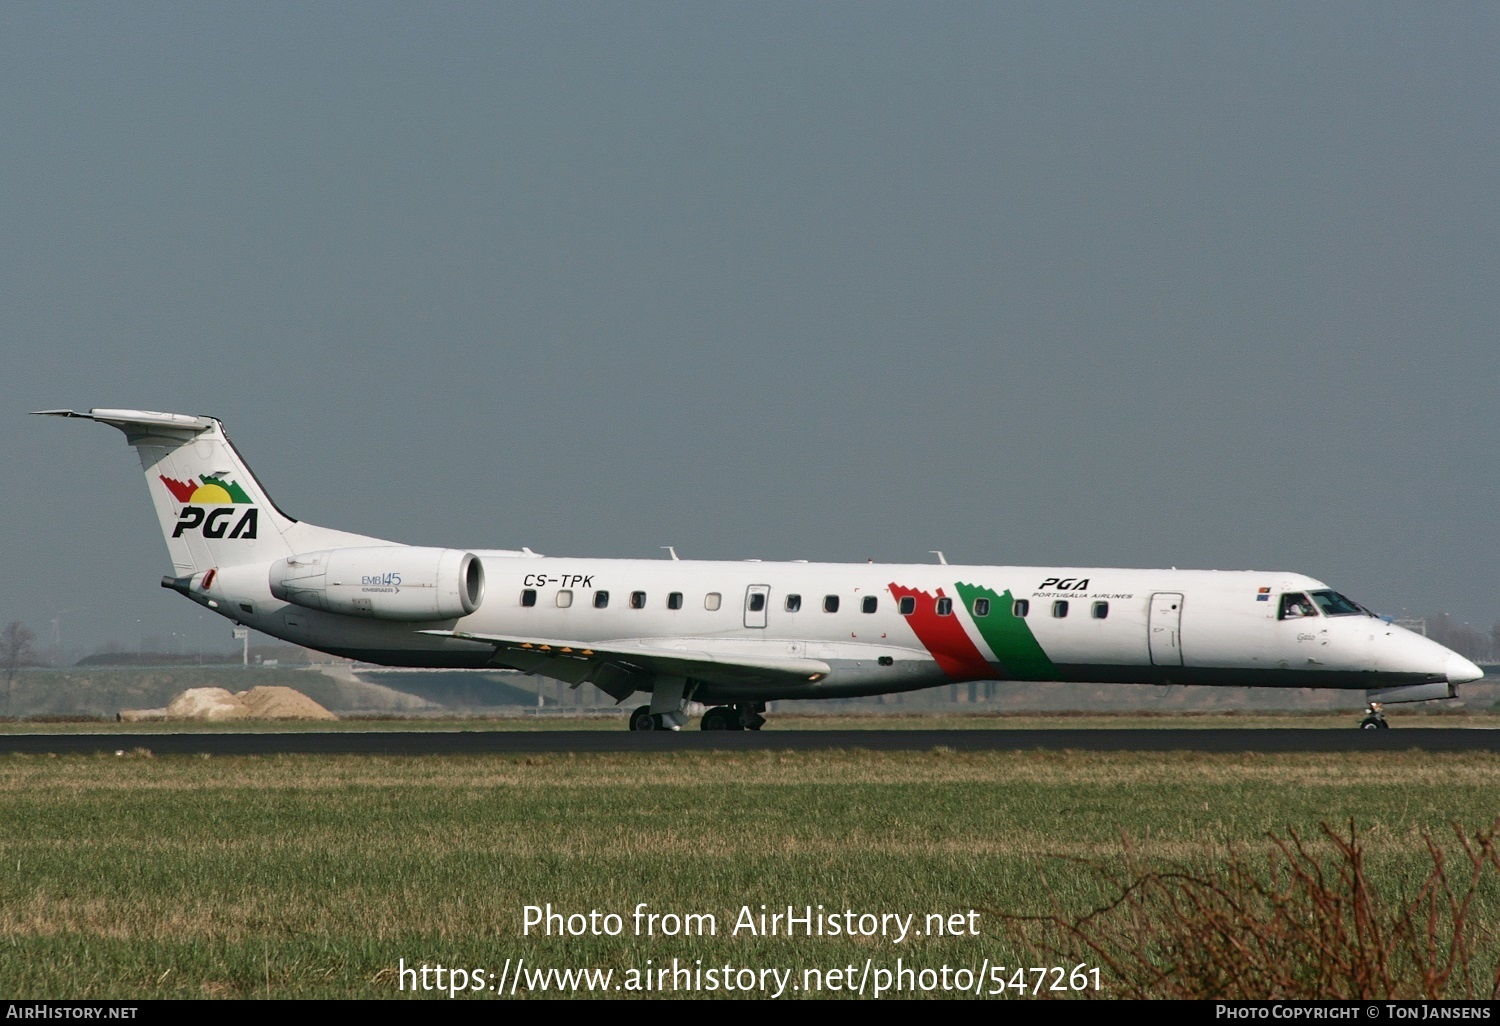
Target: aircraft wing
(618,667)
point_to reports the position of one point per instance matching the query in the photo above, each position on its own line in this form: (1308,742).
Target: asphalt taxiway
(477,742)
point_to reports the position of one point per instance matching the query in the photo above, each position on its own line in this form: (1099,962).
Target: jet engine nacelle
(391,582)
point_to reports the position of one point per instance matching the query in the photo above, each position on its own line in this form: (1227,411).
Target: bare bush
(15,648)
(15,652)
(1307,925)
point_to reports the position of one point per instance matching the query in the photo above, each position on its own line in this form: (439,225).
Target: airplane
(735,635)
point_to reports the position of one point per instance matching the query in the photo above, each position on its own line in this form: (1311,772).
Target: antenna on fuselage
(672,550)
(939,554)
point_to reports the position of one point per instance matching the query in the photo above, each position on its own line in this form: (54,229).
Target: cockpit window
(1334,604)
(1294,604)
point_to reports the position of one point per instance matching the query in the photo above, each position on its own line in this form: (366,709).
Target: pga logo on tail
(214,523)
(218,522)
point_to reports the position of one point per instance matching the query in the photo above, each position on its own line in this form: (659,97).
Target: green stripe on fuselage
(1008,635)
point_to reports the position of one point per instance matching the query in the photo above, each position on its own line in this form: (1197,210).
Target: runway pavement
(474,742)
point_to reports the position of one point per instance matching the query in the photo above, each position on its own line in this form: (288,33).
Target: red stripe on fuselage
(944,636)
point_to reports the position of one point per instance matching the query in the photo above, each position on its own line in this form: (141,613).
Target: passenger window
(793,603)
(601,599)
(528,597)
(1101,610)
(908,605)
(830,603)
(711,600)
(564,599)
(757,601)
(945,606)
(981,607)
(1294,606)
(674,600)
(1060,608)
(637,600)
(868,604)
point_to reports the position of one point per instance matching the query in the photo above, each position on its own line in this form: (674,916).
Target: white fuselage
(1079,624)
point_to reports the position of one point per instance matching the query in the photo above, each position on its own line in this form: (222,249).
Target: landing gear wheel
(1373,722)
(749,717)
(720,717)
(642,719)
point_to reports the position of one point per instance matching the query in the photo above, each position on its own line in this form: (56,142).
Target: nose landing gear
(1374,718)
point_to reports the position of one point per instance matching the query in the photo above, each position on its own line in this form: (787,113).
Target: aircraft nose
(1460,670)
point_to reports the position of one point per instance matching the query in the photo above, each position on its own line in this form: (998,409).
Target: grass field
(142,876)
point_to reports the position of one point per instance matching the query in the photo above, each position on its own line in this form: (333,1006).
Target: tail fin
(213,512)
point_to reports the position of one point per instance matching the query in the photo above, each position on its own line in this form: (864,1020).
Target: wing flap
(576,663)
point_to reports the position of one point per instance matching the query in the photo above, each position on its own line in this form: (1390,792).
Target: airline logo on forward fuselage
(209,508)
(1066,583)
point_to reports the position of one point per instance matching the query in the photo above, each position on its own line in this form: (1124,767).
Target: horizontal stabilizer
(137,419)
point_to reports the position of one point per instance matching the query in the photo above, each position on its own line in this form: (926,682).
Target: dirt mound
(213,704)
(279,703)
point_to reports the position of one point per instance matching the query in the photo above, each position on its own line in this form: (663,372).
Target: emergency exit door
(757,597)
(1166,628)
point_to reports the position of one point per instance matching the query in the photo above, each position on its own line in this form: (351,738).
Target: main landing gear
(669,704)
(669,699)
(1374,718)
(745,716)
(642,719)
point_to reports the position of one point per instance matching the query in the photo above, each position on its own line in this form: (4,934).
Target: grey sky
(1196,285)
